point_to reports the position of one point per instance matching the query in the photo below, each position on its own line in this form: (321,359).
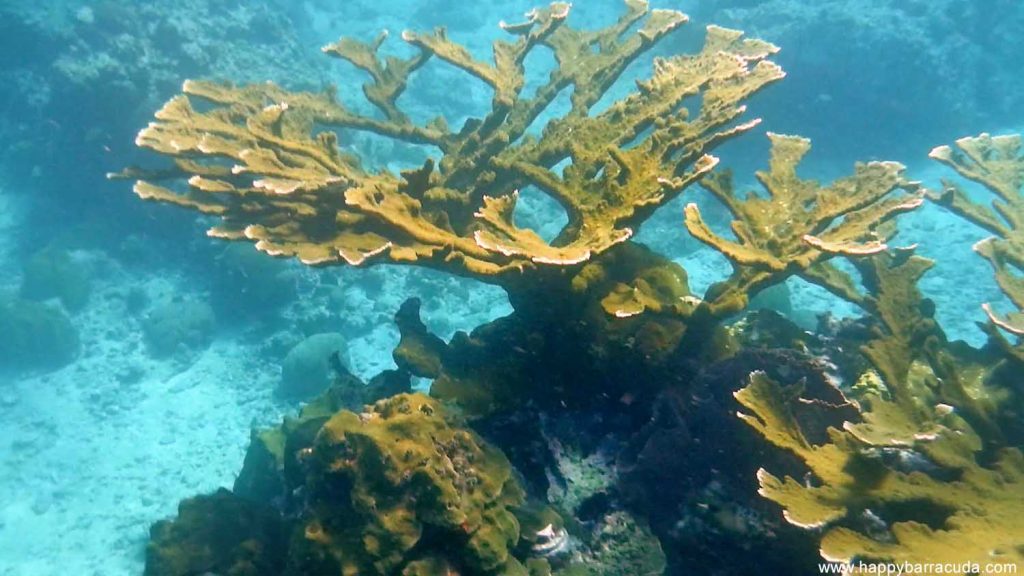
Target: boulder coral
(407,475)
(309,368)
(35,336)
(179,326)
(399,487)
(53,273)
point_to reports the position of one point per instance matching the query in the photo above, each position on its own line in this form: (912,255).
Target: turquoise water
(155,350)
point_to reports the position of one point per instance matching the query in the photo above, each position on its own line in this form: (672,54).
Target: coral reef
(593,429)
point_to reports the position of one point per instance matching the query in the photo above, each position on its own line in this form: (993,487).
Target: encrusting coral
(218,533)
(396,488)
(409,474)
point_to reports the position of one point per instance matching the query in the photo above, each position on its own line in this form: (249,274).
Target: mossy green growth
(384,484)
(626,546)
(35,336)
(400,488)
(219,533)
(273,450)
(52,273)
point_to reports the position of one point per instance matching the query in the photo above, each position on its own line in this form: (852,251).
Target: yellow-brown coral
(800,224)
(267,161)
(995,162)
(974,518)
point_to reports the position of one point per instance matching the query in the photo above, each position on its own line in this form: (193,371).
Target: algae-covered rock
(272,450)
(218,533)
(622,544)
(401,476)
(35,335)
(311,366)
(52,273)
(180,325)
(400,488)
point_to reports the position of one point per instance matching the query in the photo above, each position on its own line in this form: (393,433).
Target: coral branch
(389,79)
(268,163)
(799,224)
(958,512)
(995,162)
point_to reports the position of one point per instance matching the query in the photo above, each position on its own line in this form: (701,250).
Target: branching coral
(404,486)
(267,161)
(902,322)
(949,509)
(924,474)
(995,162)
(909,350)
(800,224)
